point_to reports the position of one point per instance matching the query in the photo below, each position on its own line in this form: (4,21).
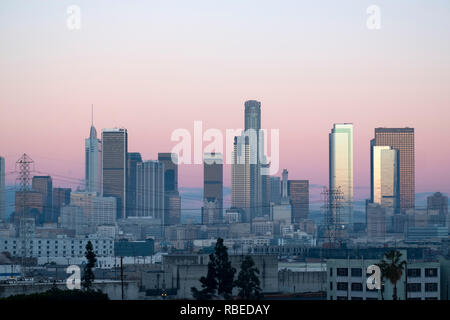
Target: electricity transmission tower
(332,205)
(24,168)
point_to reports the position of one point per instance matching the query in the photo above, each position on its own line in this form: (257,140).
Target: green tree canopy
(248,280)
(88,276)
(392,269)
(218,282)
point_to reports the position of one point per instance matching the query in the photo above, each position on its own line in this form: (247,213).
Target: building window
(414,287)
(371,298)
(331,272)
(341,298)
(357,298)
(431,298)
(357,286)
(414,273)
(356,272)
(331,285)
(431,272)
(342,272)
(342,286)
(431,287)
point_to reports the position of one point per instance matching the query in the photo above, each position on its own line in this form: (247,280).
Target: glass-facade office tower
(114,167)
(298,192)
(341,169)
(150,198)
(402,140)
(384,172)
(172,202)
(93,162)
(213,186)
(44,185)
(133,158)
(2,190)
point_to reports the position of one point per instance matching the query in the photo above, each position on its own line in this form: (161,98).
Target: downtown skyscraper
(172,199)
(248,159)
(93,162)
(341,170)
(44,185)
(383,175)
(114,167)
(298,192)
(212,212)
(150,198)
(402,140)
(133,159)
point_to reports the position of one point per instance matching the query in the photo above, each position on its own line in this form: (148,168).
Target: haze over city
(158,66)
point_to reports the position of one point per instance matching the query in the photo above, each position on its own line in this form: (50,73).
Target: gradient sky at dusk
(155,66)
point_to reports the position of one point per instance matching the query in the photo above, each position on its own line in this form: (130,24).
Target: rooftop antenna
(92,114)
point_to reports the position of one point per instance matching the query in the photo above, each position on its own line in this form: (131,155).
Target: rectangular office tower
(383,175)
(2,190)
(298,192)
(61,198)
(133,158)
(150,190)
(275,190)
(240,177)
(213,187)
(172,202)
(402,140)
(114,167)
(341,169)
(93,162)
(248,161)
(44,185)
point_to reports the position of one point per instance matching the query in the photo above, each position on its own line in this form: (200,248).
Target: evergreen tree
(88,276)
(225,272)
(209,283)
(248,281)
(219,279)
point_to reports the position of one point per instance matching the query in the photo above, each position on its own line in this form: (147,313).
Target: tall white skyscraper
(383,175)
(93,166)
(341,169)
(2,189)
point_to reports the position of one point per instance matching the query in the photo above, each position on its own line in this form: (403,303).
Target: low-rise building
(347,280)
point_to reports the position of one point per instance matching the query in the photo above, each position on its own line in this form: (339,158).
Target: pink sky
(155,74)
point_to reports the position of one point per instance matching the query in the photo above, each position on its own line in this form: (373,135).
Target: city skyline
(395,84)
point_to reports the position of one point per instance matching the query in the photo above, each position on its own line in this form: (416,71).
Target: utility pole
(121,274)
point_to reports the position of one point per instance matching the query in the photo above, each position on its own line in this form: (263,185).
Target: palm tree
(392,269)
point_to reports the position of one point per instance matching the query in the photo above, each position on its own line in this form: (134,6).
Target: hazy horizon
(158,66)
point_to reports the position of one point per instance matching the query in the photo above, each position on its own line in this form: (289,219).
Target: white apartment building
(56,247)
(347,280)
